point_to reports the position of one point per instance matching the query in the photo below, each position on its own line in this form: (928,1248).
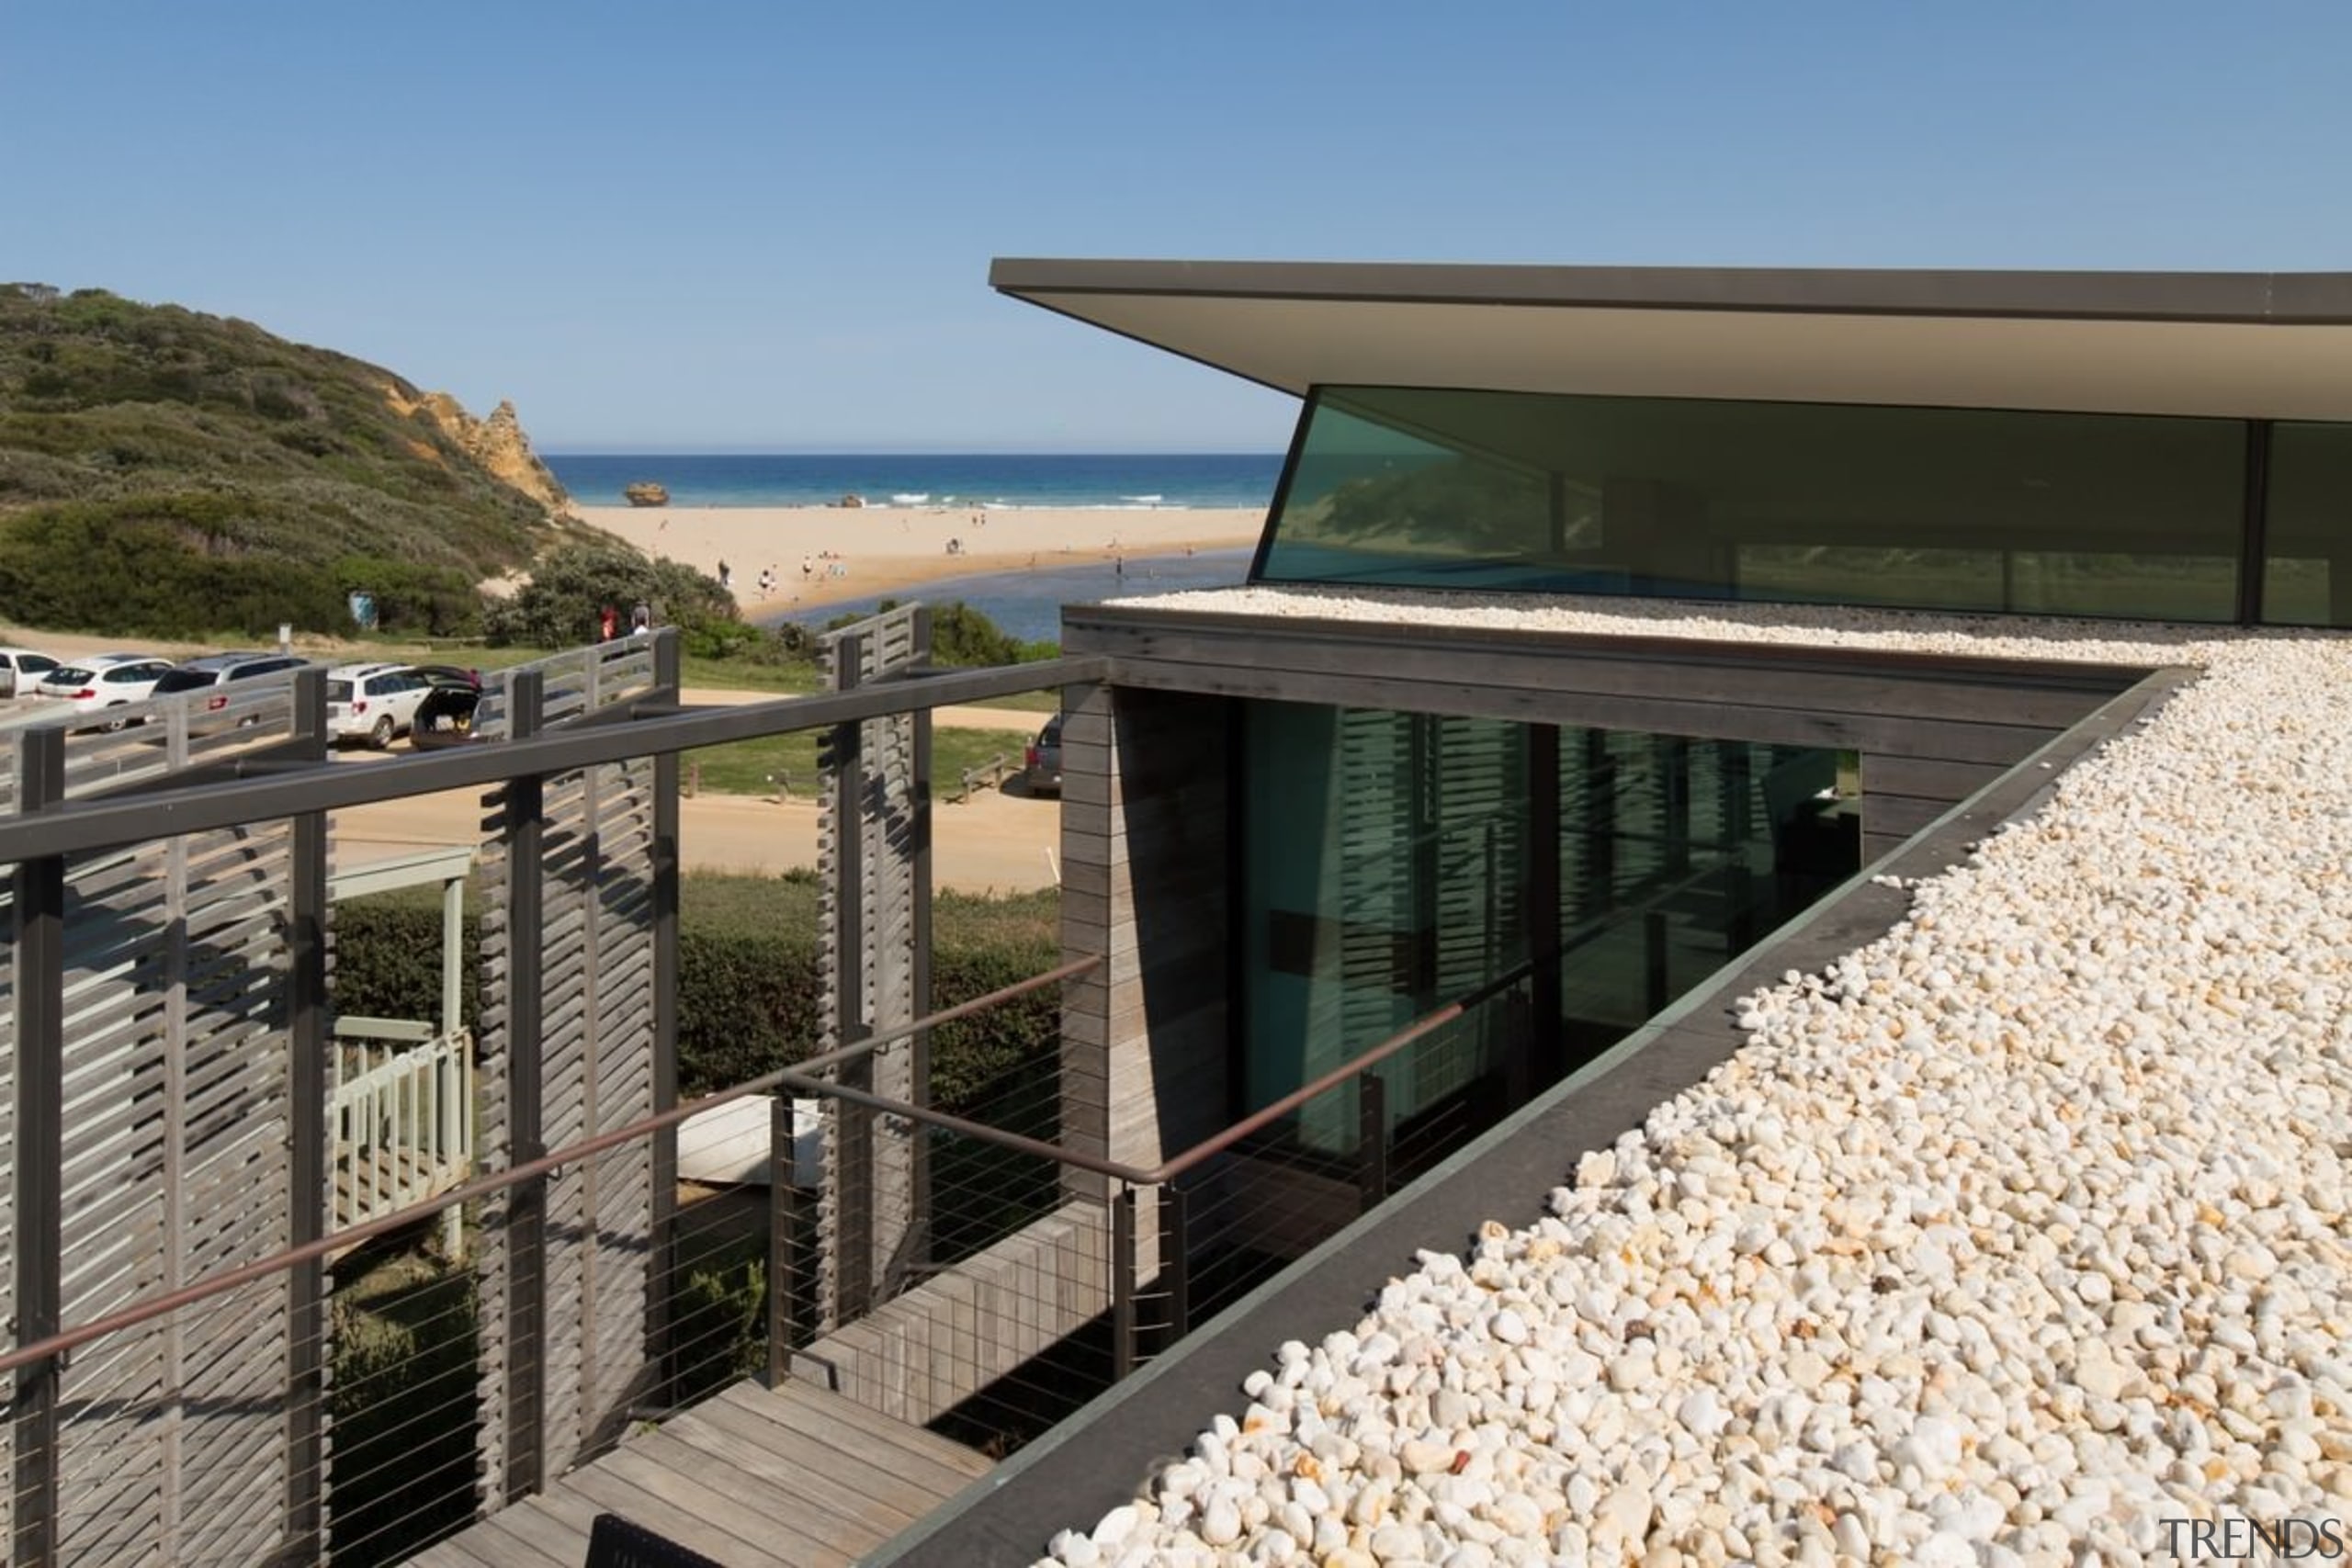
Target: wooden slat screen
(880,920)
(597,1065)
(175,1135)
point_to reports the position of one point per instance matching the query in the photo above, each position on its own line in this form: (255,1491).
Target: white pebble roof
(2010,1237)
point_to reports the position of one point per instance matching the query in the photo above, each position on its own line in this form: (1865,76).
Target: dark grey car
(1043,773)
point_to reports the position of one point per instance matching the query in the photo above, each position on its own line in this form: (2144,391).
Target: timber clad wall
(1932,729)
(1144,1038)
(919,1354)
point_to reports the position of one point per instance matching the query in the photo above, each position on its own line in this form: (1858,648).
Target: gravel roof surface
(2018,1235)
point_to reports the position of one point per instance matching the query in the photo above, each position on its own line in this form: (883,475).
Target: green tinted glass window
(2068,513)
(2307,536)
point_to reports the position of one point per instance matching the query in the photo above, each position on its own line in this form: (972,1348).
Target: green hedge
(748,979)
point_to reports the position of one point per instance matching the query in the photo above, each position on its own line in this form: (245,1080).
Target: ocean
(1001,479)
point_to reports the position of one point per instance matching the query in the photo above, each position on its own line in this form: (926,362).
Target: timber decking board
(932,1460)
(781,1458)
(517,1538)
(792,1477)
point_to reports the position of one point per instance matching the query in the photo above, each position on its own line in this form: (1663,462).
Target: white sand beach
(852,552)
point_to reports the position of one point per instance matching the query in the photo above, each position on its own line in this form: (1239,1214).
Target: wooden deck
(791,1477)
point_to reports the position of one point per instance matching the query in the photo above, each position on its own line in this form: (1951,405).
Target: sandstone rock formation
(497,442)
(645,492)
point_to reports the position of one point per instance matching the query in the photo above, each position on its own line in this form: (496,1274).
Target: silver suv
(218,670)
(1043,773)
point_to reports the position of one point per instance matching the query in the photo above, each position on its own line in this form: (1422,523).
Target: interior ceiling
(2245,368)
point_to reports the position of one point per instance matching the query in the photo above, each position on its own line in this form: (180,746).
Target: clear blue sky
(683,224)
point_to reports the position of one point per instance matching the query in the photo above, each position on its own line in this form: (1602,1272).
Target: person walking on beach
(726,578)
(807,568)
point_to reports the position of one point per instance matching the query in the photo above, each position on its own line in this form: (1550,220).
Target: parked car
(446,717)
(21,670)
(373,702)
(217,671)
(109,680)
(1043,772)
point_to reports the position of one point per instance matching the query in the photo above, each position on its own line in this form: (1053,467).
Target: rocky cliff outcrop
(498,445)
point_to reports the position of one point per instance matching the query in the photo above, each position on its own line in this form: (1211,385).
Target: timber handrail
(481,1187)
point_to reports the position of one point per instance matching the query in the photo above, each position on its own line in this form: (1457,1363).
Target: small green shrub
(718,1331)
(961,636)
(573,584)
(749,978)
(403,1408)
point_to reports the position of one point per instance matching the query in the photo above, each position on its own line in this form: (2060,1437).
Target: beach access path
(998,840)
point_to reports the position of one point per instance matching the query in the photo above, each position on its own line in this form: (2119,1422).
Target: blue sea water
(929,478)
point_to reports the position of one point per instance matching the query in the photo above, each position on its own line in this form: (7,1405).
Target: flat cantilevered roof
(2240,344)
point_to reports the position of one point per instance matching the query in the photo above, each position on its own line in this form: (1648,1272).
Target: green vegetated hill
(167,472)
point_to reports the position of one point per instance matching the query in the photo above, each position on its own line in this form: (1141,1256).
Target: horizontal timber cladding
(921,1354)
(1983,710)
(1931,729)
(565,1264)
(1145,836)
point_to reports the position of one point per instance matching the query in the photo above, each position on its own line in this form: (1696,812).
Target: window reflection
(2091,514)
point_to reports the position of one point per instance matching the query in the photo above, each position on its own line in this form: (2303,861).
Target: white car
(21,670)
(373,702)
(108,681)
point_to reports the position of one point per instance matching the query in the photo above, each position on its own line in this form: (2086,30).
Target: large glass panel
(2307,537)
(1387,872)
(1677,855)
(2092,514)
(1385,858)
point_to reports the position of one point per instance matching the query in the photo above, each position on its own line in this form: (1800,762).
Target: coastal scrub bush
(748,977)
(571,586)
(962,638)
(171,566)
(159,438)
(406,1344)
(434,601)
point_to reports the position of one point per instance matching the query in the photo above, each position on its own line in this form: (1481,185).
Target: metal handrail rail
(278,1262)
(1216,1142)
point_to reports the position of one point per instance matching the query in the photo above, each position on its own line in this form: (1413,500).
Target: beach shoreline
(857,552)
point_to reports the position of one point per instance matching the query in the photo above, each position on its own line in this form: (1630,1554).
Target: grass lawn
(754,767)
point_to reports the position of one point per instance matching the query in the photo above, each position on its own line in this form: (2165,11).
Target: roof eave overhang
(2274,345)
